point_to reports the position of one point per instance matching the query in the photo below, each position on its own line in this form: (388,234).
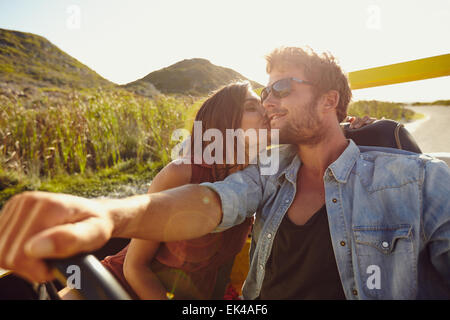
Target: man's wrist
(122,213)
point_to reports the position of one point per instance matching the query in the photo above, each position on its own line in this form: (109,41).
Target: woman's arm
(140,253)
(138,273)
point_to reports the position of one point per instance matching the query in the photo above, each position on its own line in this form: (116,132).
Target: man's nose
(270,102)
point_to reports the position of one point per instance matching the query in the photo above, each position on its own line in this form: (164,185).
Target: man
(336,221)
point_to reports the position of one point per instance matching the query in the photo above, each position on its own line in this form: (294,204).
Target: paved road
(432,133)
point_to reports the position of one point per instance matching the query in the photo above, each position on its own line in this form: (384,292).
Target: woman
(199,268)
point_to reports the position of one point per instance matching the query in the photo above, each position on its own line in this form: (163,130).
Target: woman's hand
(356,122)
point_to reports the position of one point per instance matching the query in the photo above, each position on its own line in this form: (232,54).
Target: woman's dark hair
(222,110)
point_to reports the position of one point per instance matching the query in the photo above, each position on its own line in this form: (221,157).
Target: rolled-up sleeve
(240,193)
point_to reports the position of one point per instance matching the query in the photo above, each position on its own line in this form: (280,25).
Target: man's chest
(309,198)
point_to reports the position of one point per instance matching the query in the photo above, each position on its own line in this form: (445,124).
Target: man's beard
(305,130)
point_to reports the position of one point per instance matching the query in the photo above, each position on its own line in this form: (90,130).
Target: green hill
(30,65)
(191,77)
(30,60)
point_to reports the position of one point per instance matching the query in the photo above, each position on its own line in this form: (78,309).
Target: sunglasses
(281,88)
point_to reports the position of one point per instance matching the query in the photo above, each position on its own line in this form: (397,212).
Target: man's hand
(38,225)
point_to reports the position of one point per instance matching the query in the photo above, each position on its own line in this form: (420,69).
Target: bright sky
(125,40)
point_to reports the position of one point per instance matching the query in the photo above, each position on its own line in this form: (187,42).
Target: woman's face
(253,116)
(253,113)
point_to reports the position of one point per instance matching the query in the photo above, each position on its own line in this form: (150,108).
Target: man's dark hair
(320,69)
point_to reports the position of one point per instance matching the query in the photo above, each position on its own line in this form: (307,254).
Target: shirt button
(342,243)
(355,292)
(385,244)
(261,267)
(269,235)
(334,200)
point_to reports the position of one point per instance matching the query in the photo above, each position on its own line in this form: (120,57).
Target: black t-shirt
(302,263)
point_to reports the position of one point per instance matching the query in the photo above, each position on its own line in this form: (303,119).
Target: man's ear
(330,100)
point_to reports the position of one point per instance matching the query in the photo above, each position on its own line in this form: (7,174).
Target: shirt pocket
(386,261)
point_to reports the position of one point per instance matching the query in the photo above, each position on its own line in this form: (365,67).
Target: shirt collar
(290,172)
(343,165)
(340,168)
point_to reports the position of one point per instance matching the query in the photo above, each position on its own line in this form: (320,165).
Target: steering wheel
(91,279)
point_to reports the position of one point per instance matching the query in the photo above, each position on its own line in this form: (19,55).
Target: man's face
(296,115)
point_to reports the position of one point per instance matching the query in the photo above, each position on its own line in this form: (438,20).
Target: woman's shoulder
(173,175)
(179,170)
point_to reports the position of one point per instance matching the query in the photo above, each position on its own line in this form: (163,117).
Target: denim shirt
(388,213)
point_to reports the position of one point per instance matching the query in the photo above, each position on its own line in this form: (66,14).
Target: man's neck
(316,158)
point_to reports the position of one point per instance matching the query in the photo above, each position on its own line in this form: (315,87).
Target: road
(433,132)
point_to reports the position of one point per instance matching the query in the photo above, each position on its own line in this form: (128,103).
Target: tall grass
(85,132)
(380,109)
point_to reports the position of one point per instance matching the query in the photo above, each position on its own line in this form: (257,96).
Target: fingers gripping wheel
(87,275)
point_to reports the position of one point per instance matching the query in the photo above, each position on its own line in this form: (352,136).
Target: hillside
(31,60)
(191,76)
(32,66)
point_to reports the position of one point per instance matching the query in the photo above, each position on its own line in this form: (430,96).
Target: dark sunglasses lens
(265,93)
(282,88)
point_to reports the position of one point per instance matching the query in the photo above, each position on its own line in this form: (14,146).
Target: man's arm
(38,225)
(181,213)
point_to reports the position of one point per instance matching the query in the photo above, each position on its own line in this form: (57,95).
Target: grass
(380,109)
(51,137)
(123,179)
(83,143)
(434,103)
(417,116)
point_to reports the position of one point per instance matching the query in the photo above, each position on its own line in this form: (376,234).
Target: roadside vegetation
(86,144)
(380,109)
(434,103)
